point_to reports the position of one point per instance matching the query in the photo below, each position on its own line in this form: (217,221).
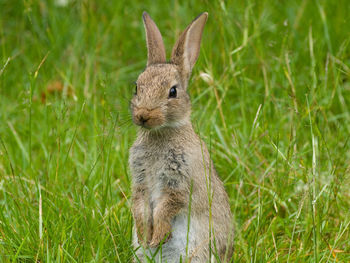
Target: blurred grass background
(271,97)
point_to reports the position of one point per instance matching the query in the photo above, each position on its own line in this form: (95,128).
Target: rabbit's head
(161,98)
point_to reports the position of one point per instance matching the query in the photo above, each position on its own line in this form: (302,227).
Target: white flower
(206,77)
(61,3)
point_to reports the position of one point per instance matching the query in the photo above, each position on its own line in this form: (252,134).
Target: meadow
(271,98)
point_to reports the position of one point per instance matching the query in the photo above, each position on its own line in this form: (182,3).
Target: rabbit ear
(155,45)
(186,49)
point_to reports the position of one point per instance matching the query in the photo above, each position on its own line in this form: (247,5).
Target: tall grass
(270,92)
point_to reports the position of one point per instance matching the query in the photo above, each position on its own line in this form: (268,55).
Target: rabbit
(179,204)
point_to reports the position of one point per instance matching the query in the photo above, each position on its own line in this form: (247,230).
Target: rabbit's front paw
(161,233)
(144,232)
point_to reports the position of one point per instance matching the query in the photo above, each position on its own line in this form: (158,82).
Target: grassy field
(271,97)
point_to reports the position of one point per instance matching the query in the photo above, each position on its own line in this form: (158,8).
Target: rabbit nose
(143,119)
(142,116)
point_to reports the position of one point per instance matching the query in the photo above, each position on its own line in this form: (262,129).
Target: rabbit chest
(158,169)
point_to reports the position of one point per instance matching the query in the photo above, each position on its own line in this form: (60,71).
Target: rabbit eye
(135,93)
(172,92)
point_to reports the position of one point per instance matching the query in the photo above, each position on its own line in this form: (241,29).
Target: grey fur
(171,166)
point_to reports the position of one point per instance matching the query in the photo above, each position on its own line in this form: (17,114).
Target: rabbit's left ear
(186,50)
(155,45)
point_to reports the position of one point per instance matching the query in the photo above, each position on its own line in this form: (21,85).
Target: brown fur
(155,45)
(170,164)
(171,202)
(142,215)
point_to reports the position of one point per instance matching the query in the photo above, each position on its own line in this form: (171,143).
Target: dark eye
(172,92)
(135,93)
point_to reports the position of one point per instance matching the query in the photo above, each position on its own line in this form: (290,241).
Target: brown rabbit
(179,204)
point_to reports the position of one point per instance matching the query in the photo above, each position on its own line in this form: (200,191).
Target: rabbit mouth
(148,119)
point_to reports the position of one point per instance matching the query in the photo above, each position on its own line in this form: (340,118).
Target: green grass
(274,108)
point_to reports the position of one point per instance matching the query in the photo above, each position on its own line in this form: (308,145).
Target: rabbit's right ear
(186,50)
(155,45)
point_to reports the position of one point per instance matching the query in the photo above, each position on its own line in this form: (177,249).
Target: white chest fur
(181,245)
